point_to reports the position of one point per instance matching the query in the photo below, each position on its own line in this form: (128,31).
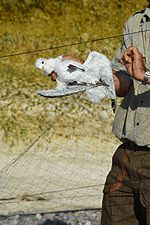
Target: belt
(132,146)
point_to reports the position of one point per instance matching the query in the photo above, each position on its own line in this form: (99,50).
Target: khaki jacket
(132,120)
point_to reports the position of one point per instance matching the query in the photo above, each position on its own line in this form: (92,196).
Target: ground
(52,145)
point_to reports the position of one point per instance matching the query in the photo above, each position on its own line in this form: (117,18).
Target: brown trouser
(126,198)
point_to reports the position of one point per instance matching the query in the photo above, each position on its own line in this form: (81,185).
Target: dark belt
(132,146)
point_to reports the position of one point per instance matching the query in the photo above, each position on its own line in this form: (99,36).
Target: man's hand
(53,75)
(132,59)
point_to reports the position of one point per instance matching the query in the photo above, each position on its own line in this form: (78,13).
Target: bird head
(40,63)
(47,65)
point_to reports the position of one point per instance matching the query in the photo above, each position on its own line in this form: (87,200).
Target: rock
(79,223)
(38,216)
(103,115)
(88,223)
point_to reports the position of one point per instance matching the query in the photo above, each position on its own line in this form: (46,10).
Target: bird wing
(99,66)
(73,68)
(54,93)
(95,61)
(92,58)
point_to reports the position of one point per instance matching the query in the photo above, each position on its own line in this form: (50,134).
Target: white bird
(95,74)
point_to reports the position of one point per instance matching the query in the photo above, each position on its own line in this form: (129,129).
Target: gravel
(88,217)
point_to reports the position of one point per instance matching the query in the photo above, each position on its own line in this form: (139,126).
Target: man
(126,198)
(127,190)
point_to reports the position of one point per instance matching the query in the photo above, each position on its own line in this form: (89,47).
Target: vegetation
(28,25)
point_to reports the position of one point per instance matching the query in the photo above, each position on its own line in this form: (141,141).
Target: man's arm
(122,79)
(122,84)
(132,59)
(72,58)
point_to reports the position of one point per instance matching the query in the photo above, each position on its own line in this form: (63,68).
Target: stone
(38,216)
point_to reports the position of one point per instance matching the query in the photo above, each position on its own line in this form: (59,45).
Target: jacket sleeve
(116,65)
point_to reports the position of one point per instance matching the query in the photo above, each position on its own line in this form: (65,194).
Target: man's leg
(121,206)
(119,209)
(145,183)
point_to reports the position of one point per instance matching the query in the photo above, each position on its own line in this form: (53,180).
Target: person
(126,199)
(127,189)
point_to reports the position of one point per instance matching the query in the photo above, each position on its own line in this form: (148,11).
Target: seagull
(94,76)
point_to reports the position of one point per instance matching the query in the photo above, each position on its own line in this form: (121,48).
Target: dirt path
(63,176)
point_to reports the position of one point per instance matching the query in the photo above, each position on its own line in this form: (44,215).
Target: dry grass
(31,25)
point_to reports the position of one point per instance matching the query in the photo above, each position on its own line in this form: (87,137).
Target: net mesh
(62,169)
